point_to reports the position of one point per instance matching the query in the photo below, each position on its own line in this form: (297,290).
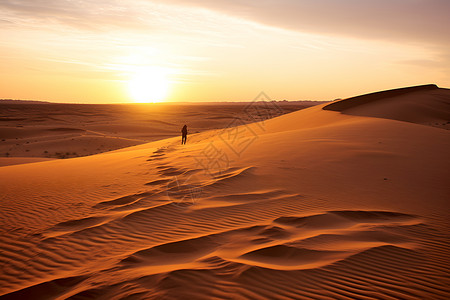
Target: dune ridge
(341,105)
(424,105)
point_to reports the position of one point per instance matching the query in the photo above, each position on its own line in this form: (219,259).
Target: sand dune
(376,96)
(425,104)
(317,204)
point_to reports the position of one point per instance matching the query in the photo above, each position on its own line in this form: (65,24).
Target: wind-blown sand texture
(315,204)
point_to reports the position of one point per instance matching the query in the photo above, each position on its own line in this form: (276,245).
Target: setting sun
(148,85)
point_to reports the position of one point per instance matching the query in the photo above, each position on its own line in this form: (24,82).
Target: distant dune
(320,203)
(59,131)
(12,101)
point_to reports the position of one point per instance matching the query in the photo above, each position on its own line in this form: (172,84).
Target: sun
(149,85)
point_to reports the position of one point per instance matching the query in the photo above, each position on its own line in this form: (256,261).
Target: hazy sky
(214,50)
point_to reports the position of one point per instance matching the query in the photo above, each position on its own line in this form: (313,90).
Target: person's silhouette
(184,132)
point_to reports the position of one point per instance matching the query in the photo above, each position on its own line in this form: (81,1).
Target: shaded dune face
(424,104)
(318,212)
(348,103)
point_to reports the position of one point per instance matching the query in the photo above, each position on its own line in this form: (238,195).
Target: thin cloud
(394,20)
(83,15)
(419,21)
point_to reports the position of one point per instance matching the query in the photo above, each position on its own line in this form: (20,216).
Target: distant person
(183,135)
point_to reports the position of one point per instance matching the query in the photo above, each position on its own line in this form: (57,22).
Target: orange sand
(350,203)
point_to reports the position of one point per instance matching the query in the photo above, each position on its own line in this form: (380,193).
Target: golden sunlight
(149,85)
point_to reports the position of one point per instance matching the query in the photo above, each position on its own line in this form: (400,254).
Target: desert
(340,200)
(222,150)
